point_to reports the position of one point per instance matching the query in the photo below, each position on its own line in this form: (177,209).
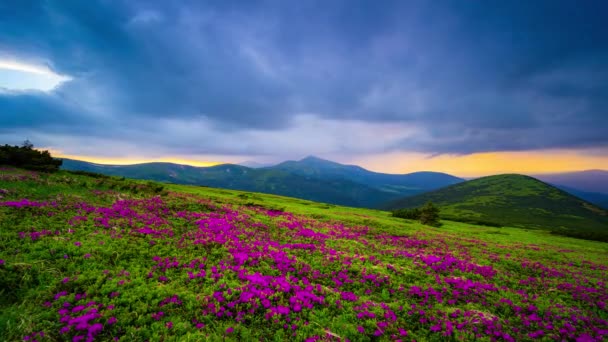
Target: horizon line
(198,164)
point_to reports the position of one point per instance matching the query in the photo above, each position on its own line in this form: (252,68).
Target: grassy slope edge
(516,200)
(138,260)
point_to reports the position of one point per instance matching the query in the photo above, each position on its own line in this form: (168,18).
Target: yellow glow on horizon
(471,165)
(483,164)
(130,161)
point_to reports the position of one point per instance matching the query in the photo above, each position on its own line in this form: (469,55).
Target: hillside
(515,200)
(599,199)
(106,258)
(310,178)
(402,184)
(229,176)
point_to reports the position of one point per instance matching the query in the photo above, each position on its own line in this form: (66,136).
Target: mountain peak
(319,162)
(316,159)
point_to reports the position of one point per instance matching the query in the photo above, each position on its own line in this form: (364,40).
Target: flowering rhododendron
(133,265)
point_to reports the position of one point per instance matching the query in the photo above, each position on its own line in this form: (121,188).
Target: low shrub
(26,157)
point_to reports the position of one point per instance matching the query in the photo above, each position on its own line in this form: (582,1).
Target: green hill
(310,178)
(515,200)
(236,177)
(399,184)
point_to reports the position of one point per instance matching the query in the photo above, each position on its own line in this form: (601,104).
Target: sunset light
(307,171)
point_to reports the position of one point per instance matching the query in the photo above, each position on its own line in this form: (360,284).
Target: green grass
(516,200)
(33,272)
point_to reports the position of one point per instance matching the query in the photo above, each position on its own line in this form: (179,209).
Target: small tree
(429,215)
(26,157)
(27,144)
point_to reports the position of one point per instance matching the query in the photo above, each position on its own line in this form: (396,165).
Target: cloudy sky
(468,87)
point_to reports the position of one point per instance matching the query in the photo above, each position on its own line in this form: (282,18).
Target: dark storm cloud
(38,110)
(469,76)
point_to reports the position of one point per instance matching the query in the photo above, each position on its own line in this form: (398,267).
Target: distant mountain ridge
(311,178)
(590,185)
(597,198)
(320,180)
(404,184)
(515,200)
(595,181)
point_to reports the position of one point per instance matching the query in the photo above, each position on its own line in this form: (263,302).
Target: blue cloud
(481,76)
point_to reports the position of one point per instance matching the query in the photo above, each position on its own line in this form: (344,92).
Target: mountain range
(311,178)
(322,180)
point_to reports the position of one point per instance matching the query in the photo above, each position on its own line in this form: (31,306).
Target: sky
(465,87)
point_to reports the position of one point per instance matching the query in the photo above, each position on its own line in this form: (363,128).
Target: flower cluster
(180,265)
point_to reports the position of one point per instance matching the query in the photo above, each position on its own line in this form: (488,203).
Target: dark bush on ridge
(428,214)
(410,214)
(26,157)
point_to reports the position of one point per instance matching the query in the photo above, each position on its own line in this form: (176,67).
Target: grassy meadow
(516,201)
(98,258)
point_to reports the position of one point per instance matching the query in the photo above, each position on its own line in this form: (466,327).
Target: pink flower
(157,316)
(60,294)
(78,308)
(95,329)
(229,330)
(349,296)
